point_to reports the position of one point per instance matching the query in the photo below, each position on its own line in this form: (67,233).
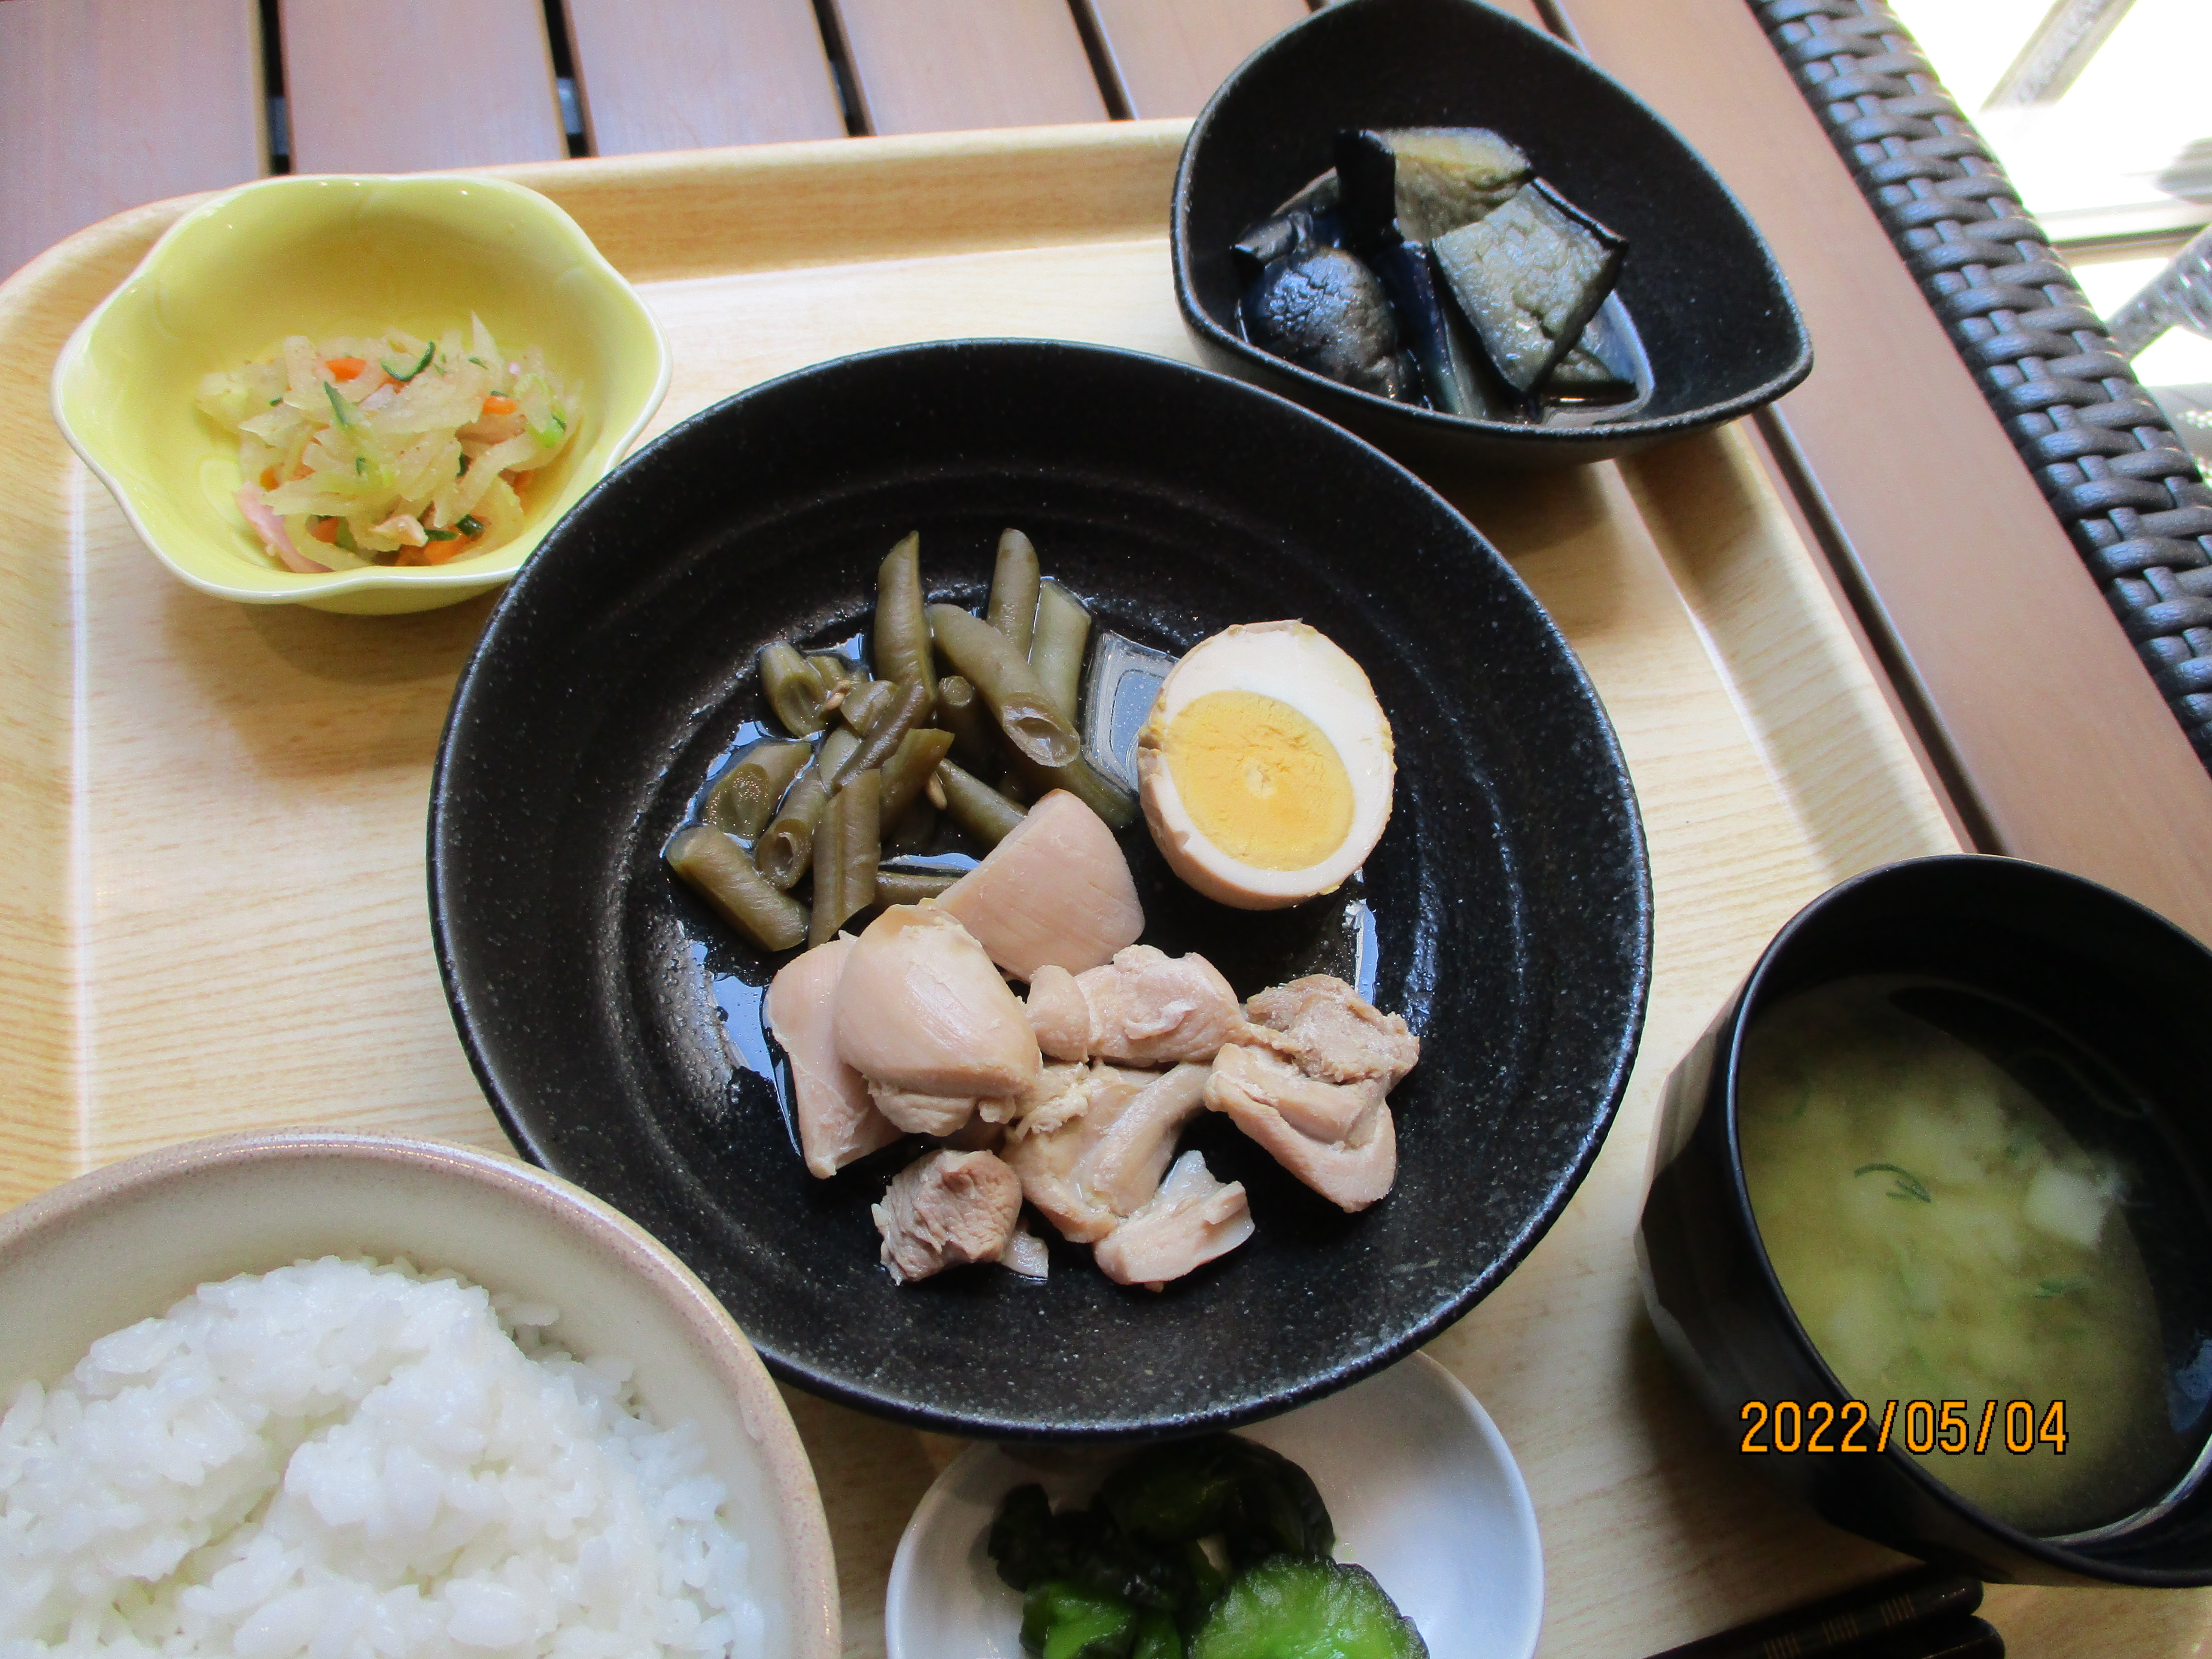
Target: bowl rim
(278,587)
(1437,424)
(1608,1090)
(2057,1552)
(766,1420)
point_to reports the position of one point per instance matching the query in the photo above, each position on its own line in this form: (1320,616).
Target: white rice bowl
(340,1458)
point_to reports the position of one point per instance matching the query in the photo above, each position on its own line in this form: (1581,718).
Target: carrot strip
(499,404)
(346,368)
(324,529)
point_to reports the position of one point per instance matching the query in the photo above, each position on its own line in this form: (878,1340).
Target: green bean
(907,770)
(1102,795)
(1063,630)
(716,866)
(961,713)
(845,851)
(786,846)
(1012,609)
(910,886)
(902,635)
(1021,707)
(744,798)
(861,702)
(915,829)
(794,689)
(976,807)
(908,708)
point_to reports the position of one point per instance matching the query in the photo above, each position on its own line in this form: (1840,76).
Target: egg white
(1303,668)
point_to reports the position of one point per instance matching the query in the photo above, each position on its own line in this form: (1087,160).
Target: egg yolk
(1260,779)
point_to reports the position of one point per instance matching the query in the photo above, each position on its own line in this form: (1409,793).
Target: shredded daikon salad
(388,449)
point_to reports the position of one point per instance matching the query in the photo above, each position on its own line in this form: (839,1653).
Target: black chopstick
(1925,1613)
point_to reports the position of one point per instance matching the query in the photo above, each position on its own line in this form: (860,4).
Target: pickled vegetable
(1063,634)
(1303,1607)
(787,847)
(976,807)
(961,713)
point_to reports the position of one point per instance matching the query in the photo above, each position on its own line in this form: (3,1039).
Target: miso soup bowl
(2127,985)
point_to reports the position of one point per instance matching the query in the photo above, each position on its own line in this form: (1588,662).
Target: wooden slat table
(105,104)
(406,85)
(687,74)
(2047,736)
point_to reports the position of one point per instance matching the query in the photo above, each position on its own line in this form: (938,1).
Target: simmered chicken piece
(1056,889)
(1351,1171)
(1092,1151)
(1192,1220)
(923,1015)
(1307,1079)
(922,1114)
(836,1121)
(946,1210)
(1026,1254)
(1321,1026)
(1144,1008)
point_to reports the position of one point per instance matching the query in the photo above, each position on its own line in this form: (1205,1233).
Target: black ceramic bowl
(613,1023)
(1722,331)
(2126,985)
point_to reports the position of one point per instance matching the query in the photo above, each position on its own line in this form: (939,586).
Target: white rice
(344,1459)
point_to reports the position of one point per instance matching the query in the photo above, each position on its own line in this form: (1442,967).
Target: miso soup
(1943,1233)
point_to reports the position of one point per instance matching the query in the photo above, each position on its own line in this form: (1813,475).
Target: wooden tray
(214,814)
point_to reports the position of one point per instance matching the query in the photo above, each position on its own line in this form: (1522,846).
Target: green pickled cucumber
(1300,1608)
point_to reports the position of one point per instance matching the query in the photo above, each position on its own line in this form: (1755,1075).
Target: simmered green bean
(716,865)
(907,772)
(1080,779)
(845,855)
(794,689)
(961,713)
(744,798)
(976,807)
(908,708)
(1023,709)
(1012,609)
(861,703)
(1063,630)
(910,886)
(786,846)
(902,635)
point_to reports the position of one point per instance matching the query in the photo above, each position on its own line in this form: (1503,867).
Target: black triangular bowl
(1722,333)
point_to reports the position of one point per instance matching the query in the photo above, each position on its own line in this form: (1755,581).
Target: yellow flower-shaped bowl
(325,255)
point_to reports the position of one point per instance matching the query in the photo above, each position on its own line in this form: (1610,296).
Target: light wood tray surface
(214,814)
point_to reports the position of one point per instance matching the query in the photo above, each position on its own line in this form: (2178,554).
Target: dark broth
(1962,1203)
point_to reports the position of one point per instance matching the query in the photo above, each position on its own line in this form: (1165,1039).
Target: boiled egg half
(1265,766)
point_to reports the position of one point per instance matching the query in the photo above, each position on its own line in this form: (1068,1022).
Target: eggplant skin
(1323,309)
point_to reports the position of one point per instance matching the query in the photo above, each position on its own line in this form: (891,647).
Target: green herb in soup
(1944,1235)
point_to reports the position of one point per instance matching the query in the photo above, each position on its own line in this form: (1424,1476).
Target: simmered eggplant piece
(1428,179)
(1529,277)
(1323,309)
(1583,375)
(1427,326)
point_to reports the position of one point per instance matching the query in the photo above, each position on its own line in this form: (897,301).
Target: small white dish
(1423,1489)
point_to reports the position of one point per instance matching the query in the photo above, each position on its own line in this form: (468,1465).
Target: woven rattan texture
(2115,474)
